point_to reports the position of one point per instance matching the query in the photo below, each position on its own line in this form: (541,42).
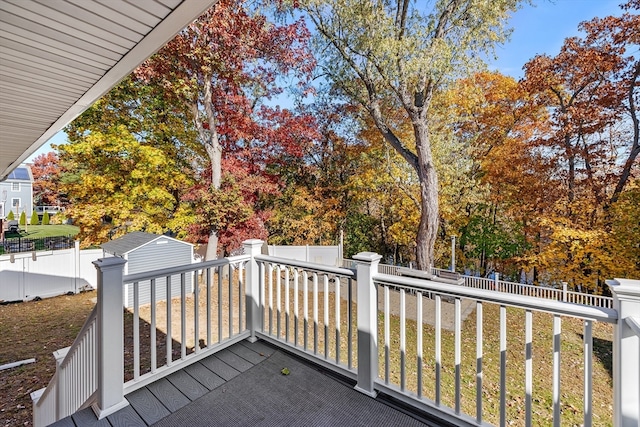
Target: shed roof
(134,240)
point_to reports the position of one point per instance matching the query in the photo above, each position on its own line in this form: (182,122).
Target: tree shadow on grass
(603,350)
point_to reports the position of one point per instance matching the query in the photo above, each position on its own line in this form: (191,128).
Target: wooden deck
(243,386)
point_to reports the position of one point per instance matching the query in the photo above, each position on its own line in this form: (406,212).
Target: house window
(16,202)
(15,186)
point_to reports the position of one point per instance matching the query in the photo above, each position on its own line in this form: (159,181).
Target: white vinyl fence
(43,274)
(495,284)
(326,255)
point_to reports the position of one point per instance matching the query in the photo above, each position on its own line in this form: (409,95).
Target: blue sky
(542,28)
(538,29)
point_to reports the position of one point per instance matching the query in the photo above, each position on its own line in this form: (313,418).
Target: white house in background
(16,192)
(146,252)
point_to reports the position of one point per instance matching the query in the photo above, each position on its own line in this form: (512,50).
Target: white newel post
(626,352)
(253,247)
(110,323)
(367,315)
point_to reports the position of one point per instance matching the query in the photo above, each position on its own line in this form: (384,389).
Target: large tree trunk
(422,162)
(211,142)
(214,151)
(428,227)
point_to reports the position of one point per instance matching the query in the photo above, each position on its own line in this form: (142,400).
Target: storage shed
(148,252)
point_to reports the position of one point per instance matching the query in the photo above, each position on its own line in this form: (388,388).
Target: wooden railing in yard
(366,323)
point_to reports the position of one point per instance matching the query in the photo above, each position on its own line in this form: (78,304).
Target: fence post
(626,352)
(110,346)
(564,291)
(76,257)
(453,253)
(367,317)
(496,279)
(253,247)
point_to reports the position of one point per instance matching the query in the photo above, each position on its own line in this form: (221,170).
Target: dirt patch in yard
(35,329)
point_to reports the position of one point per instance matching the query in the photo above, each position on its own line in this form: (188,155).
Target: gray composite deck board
(87,418)
(233,360)
(263,397)
(188,385)
(126,417)
(247,354)
(204,376)
(259,347)
(212,392)
(220,368)
(65,422)
(147,405)
(168,394)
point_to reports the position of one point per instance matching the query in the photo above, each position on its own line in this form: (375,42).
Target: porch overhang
(58,58)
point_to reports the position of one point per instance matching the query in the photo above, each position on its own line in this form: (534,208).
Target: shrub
(45,218)
(34,218)
(11,216)
(23,218)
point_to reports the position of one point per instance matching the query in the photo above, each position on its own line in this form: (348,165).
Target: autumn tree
(395,56)
(117,183)
(622,36)
(590,89)
(223,68)
(318,201)
(510,184)
(46,181)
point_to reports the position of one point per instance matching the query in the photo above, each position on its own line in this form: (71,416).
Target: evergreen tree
(34,218)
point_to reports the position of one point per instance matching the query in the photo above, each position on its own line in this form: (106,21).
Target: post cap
(367,257)
(625,287)
(109,262)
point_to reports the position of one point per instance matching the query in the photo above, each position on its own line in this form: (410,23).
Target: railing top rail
(321,268)
(148,275)
(521,301)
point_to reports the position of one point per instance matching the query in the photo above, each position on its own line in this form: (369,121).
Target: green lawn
(37,231)
(38,238)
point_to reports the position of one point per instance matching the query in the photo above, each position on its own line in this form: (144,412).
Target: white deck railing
(74,382)
(188,328)
(513,287)
(411,294)
(344,320)
(310,309)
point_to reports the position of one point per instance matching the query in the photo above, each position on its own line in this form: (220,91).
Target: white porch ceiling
(57,57)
